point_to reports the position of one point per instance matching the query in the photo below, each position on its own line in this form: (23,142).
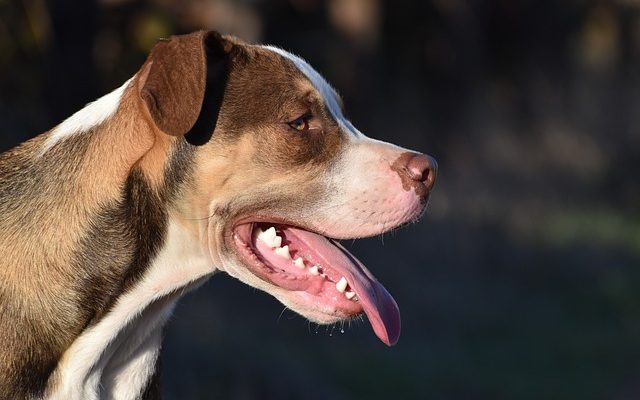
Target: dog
(217,155)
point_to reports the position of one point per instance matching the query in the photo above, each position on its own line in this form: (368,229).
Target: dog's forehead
(328,93)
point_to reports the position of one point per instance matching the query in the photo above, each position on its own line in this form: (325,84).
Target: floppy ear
(185,77)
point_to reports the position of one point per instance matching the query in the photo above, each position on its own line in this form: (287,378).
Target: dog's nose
(423,168)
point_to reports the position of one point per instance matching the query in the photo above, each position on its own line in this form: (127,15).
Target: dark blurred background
(522,282)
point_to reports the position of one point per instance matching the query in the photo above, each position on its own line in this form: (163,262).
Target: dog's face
(283,175)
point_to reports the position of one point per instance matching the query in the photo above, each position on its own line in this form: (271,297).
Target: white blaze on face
(327,92)
(368,193)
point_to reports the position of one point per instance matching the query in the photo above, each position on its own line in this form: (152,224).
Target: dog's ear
(184,78)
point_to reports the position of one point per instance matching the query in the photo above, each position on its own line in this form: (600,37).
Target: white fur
(322,86)
(130,372)
(115,358)
(91,115)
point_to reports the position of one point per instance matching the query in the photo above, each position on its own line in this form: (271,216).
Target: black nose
(423,168)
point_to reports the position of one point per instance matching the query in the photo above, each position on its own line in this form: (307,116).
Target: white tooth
(298,262)
(267,235)
(276,242)
(341,285)
(257,233)
(283,252)
(349,295)
(314,270)
(271,231)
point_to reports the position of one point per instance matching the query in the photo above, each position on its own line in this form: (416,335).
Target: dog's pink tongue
(381,309)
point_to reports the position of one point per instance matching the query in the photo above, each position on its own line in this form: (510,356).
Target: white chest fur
(115,358)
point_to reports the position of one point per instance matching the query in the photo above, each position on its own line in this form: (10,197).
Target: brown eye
(300,124)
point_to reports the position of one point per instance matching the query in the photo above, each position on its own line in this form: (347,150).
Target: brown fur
(68,246)
(80,223)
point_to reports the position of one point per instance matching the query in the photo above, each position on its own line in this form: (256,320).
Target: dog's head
(276,174)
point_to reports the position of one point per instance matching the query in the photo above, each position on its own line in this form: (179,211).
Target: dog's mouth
(321,274)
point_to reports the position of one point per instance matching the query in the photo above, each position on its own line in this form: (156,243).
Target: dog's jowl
(217,155)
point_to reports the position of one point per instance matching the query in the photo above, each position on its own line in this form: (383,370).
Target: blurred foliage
(523,280)
(601,228)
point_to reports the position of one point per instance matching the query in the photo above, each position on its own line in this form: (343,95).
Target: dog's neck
(84,213)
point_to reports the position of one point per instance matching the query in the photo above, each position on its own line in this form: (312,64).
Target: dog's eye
(301,123)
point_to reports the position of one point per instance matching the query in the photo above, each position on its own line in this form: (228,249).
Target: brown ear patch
(177,77)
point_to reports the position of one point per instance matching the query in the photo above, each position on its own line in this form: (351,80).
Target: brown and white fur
(108,218)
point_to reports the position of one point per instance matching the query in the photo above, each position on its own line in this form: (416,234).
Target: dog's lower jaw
(319,279)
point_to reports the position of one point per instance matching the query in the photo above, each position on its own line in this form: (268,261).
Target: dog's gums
(321,275)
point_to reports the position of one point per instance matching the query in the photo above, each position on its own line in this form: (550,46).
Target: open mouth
(320,273)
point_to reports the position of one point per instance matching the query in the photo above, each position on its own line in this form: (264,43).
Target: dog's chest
(116,357)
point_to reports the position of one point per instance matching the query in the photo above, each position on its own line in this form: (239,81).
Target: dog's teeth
(349,295)
(341,285)
(283,252)
(271,232)
(314,270)
(267,236)
(276,242)
(298,262)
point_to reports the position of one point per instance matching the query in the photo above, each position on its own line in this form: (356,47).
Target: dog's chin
(313,275)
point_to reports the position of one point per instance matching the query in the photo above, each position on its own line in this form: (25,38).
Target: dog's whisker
(285,308)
